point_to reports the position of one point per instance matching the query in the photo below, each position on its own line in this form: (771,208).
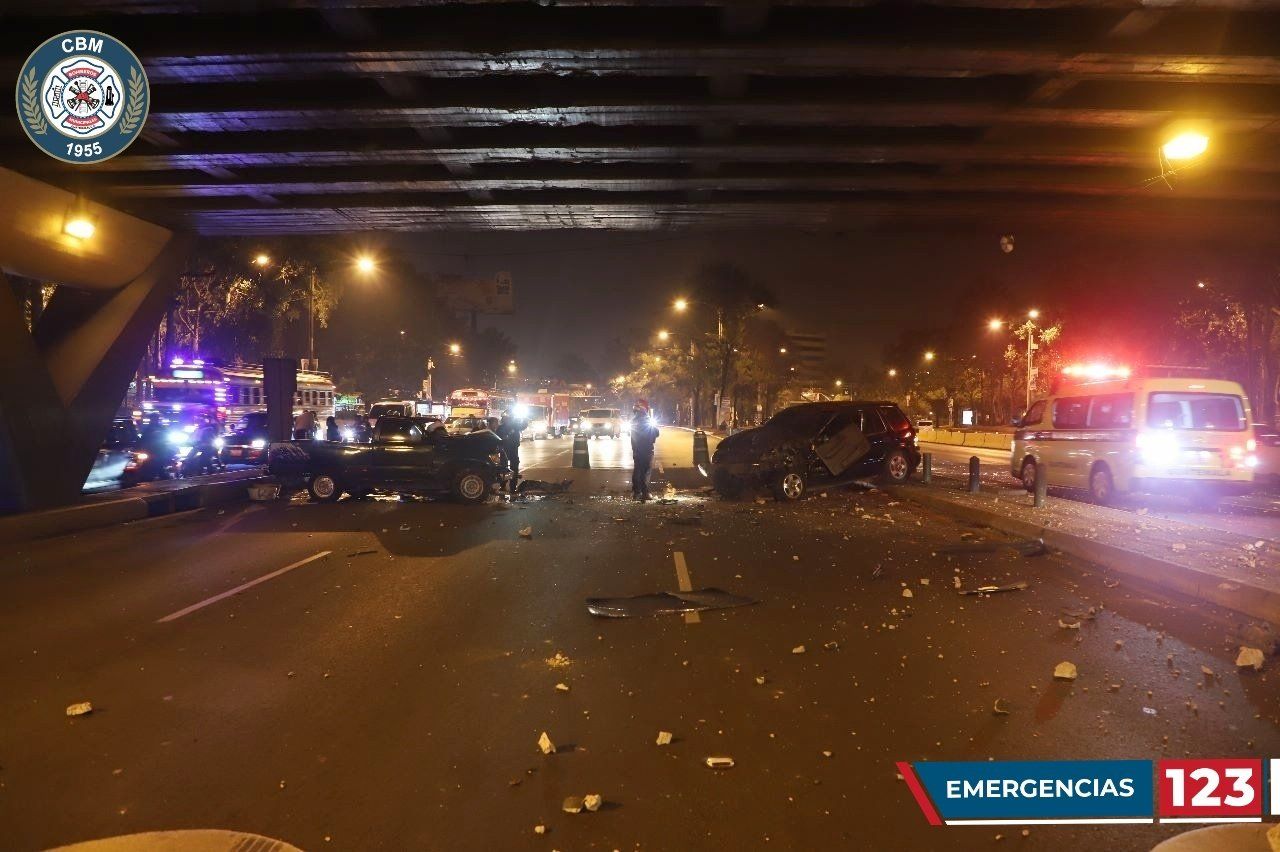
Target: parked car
(247,443)
(464,425)
(817,444)
(400,459)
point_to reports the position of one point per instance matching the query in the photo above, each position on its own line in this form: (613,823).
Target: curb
(1240,596)
(54,522)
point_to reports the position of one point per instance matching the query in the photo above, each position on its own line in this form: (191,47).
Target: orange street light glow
(1185,146)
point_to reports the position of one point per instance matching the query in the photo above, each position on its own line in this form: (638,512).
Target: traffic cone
(701,458)
(581,458)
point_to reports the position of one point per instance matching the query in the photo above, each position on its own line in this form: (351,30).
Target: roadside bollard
(581,457)
(701,458)
(1042,485)
(926,468)
(975,475)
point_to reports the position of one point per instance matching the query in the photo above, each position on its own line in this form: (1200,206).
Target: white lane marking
(240,588)
(684,584)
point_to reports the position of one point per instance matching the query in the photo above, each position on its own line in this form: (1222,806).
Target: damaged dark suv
(818,444)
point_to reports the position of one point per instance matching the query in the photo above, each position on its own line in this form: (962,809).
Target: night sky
(575,291)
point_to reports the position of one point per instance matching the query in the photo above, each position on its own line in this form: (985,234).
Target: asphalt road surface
(1255,514)
(376,674)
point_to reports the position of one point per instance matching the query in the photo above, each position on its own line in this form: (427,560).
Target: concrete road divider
(130,505)
(701,455)
(990,439)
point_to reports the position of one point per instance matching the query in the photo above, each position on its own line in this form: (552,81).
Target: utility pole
(311,322)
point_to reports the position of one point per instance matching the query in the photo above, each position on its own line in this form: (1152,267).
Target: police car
(1163,430)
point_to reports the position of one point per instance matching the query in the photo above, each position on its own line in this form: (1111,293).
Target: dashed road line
(240,588)
(685,585)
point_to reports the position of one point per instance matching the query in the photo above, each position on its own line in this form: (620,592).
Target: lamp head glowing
(1033,313)
(892,372)
(664,335)
(681,305)
(1185,146)
(995,324)
(365,264)
(929,356)
(80,227)
(262,260)
(455,348)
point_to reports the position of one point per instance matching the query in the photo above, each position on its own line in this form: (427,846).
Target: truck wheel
(324,488)
(1029,476)
(1101,487)
(470,486)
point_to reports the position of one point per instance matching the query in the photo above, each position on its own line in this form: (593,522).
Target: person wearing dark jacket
(509,431)
(643,436)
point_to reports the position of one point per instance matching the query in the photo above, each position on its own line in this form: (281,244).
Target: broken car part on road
(660,603)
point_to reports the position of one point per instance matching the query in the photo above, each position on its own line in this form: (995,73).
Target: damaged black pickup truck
(402,458)
(818,444)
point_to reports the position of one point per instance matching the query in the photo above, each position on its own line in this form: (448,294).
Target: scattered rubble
(1247,657)
(1064,671)
(545,745)
(592,802)
(664,738)
(559,661)
(84,708)
(527,532)
(799,649)
(720,762)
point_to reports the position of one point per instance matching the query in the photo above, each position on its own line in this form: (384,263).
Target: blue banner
(1041,790)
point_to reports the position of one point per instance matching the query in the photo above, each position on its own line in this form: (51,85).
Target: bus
(469,402)
(195,392)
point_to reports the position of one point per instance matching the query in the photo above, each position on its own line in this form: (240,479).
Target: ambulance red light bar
(1096,372)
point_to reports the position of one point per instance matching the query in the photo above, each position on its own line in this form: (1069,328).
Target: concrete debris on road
(664,738)
(562,687)
(988,590)
(660,603)
(559,661)
(545,744)
(720,762)
(907,593)
(1249,657)
(84,708)
(1065,625)
(527,532)
(799,649)
(1064,671)
(592,801)
(572,805)
(997,709)
(539,829)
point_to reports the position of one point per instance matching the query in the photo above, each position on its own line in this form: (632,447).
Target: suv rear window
(1209,411)
(894,418)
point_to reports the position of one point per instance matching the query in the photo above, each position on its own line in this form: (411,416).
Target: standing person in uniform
(509,431)
(643,436)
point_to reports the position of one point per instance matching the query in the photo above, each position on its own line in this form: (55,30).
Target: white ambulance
(1156,430)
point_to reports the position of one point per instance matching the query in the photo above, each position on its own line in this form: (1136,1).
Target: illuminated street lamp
(80,227)
(782,350)
(1185,146)
(262,259)
(681,305)
(366,264)
(664,335)
(454,348)
(1029,328)
(892,373)
(929,356)
(511,368)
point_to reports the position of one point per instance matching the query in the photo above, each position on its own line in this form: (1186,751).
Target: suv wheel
(897,468)
(470,486)
(324,488)
(789,486)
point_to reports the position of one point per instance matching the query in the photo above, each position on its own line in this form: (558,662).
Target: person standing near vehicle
(331,431)
(643,436)
(509,431)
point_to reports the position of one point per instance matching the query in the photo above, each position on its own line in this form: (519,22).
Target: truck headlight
(218,443)
(258,443)
(1158,448)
